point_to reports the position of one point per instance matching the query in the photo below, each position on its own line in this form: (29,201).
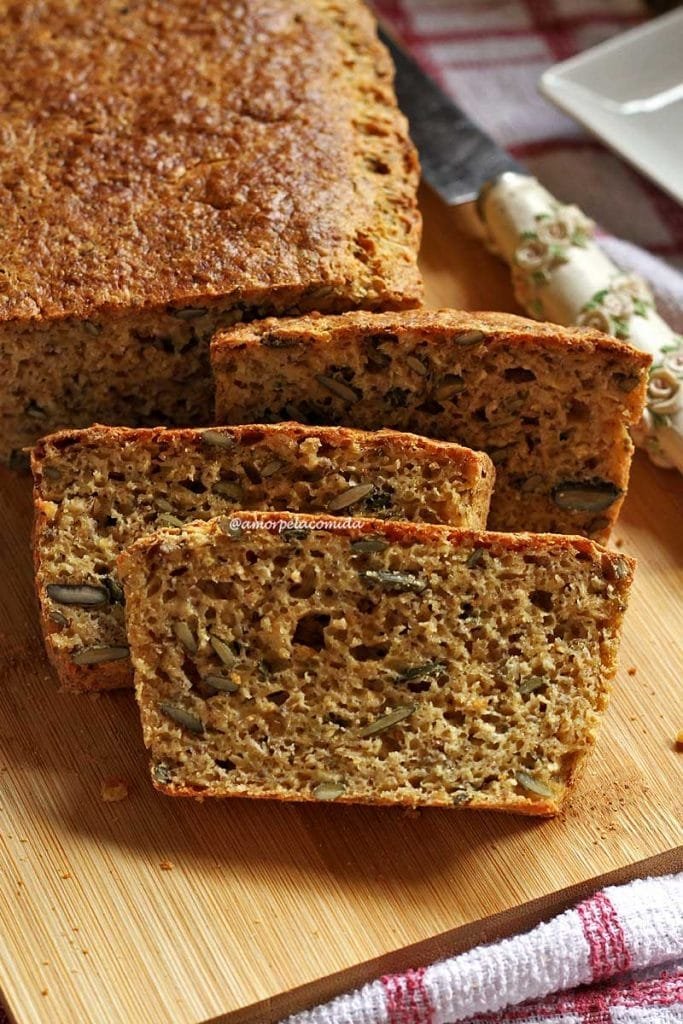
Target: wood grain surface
(170,912)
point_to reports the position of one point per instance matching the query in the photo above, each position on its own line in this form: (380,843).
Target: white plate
(629,92)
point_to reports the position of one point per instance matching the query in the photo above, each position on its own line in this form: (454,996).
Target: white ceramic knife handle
(560,274)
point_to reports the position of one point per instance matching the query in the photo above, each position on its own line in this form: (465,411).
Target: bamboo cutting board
(170,912)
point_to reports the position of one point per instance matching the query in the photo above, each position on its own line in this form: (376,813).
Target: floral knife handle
(560,274)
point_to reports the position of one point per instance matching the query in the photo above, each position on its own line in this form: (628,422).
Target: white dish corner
(629,92)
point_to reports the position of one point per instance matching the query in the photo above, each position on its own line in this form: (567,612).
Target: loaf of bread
(550,405)
(96,490)
(171,167)
(306,659)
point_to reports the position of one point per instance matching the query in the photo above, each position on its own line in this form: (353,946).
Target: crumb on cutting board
(679,739)
(632,670)
(166,865)
(114,789)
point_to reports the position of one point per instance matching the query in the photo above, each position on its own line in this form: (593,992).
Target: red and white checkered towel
(489,55)
(616,958)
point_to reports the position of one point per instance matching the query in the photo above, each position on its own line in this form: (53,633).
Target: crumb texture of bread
(552,406)
(300,658)
(230,173)
(99,489)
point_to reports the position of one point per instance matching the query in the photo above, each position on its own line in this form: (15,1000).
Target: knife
(558,270)
(457,157)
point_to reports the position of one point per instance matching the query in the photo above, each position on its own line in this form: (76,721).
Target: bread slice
(97,490)
(173,170)
(307,659)
(551,405)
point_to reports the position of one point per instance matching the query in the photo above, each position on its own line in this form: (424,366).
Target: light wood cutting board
(170,912)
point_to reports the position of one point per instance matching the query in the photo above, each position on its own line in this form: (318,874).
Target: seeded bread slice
(97,490)
(303,659)
(551,405)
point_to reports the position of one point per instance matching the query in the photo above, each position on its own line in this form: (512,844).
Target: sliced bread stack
(315,612)
(136,226)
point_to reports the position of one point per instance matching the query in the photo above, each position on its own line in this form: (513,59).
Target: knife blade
(457,157)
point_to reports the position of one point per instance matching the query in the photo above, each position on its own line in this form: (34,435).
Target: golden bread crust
(339,436)
(401,532)
(320,328)
(166,153)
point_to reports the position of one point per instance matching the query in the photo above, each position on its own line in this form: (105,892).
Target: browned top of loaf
(165,151)
(320,328)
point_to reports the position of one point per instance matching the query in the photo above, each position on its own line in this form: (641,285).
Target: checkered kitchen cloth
(616,958)
(489,55)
